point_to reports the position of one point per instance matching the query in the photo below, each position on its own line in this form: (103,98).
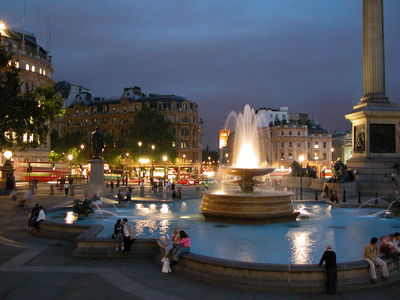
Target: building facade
(35,70)
(270,116)
(115,117)
(289,142)
(342,145)
(32,60)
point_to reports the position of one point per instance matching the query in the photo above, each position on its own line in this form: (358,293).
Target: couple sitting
(179,245)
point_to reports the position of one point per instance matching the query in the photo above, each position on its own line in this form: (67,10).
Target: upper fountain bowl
(247,172)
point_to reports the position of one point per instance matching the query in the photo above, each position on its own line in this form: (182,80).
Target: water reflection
(164,209)
(71,217)
(301,245)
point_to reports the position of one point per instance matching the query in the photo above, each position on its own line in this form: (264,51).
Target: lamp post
(152,162)
(70,157)
(8,170)
(301,159)
(164,158)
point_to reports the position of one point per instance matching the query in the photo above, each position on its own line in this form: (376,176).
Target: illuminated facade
(223,137)
(115,117)
(288,142)
(35,70)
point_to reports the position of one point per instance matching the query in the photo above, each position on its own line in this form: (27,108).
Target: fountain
(246,205)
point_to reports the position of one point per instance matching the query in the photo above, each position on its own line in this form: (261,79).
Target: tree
(150,128)
(24,113)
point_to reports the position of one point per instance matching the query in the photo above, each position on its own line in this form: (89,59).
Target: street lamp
(82,146)
(8,171)
(301,159)
(164,158)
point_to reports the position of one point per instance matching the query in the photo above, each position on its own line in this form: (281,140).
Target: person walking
(66,188)
(371,257)
(329,257)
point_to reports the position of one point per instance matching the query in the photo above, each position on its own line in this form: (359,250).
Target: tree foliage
(24,113)
(150,128)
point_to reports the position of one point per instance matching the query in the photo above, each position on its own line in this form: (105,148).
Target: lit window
(33,68)
(27,67)
(25,137)
(44,72)
(40,71)
(31,138)
(173,144)
(17,64)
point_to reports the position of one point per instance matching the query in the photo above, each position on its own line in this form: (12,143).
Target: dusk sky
(221,54)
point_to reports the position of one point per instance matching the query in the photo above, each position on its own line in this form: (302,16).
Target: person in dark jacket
(329,257)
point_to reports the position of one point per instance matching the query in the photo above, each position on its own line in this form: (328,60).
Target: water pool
(301,242)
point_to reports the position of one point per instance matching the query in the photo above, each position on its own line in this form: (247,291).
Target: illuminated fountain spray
(247,148)
(245,205)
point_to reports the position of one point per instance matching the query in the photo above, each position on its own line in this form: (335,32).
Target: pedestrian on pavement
(66,188)
(117,185)
(371,257)
(112,187)
(329,257)
(29,197)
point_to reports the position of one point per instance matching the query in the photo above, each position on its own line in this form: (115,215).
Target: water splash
(248,138)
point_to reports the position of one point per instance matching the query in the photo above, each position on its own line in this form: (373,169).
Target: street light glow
(301,158)
(144,160)
(8,154)
(164,158)
(127,154)
(82,146)
(70,157)
(140,144)
(153,147)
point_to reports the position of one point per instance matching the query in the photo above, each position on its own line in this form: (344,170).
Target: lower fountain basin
(239,207)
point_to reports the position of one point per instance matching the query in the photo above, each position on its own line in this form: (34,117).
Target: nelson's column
(375,120)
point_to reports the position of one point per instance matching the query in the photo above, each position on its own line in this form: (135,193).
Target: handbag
(165,268)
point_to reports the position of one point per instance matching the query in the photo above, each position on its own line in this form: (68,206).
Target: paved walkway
(39,268)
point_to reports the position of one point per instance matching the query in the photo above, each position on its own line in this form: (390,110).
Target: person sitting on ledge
(182,247)
(371,257)
(174,241)
(41,217)
(389,247)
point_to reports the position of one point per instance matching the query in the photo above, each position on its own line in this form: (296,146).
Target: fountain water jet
(247,206)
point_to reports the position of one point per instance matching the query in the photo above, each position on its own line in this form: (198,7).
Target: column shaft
(374,56)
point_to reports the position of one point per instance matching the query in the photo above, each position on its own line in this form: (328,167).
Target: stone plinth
(296,182)
(375,120)
(96,178)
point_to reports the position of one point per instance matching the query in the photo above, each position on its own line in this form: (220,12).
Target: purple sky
(222,54)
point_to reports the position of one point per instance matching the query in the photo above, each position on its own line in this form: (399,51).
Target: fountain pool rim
(254,275)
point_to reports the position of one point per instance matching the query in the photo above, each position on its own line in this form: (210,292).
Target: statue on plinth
(97,143)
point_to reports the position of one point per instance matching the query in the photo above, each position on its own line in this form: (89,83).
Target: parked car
(188,181)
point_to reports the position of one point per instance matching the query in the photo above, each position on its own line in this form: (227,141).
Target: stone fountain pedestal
(246,206)
(257,207)
(96,179)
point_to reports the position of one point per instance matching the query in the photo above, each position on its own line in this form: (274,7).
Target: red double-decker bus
(41,171)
